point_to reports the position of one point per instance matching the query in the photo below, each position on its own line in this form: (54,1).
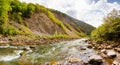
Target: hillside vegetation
(20,18)
(110,29)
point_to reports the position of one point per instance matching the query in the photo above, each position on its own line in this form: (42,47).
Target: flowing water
(46,54)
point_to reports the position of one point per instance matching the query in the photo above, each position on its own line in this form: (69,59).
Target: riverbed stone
(82,48)
(73,60)
(117,49)
(89,46)
(22,53)
(111,54)
(116,61)
(95,60)
(104,55)
(32,47)
(103,51)
(109,47)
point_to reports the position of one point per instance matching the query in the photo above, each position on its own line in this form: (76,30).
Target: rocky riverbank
(81,52)
(109,51)
(74,52)
(22,40)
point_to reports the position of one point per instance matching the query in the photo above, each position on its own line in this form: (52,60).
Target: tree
(4,9)
(110,29)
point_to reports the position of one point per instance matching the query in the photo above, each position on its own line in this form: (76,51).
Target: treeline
(110,29)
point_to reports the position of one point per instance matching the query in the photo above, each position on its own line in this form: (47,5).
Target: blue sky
(89,11)
(111,1)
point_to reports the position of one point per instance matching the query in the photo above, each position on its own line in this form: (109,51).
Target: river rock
(111,54)
(89,46)
(116,61)
(22,53)
(86,40)
(117,49)
(74,60)
(95,60)
(109,47)
(26,48)
(32,47)
(82,48)
(104,55)
(103,51)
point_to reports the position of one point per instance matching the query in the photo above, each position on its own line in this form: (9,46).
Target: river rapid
(75,52)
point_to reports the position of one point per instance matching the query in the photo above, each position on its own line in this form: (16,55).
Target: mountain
(84,27)
(30,19)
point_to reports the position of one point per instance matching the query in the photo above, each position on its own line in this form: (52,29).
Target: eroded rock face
(96,60)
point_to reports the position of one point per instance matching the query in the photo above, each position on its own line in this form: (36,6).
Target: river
(47,54)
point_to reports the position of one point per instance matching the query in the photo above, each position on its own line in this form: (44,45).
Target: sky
(89,11)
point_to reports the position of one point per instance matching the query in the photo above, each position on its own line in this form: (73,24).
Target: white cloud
(90,11)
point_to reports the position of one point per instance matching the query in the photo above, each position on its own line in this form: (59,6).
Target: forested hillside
(20,18)
(110,29)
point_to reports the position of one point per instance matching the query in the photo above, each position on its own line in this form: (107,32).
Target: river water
(46,54)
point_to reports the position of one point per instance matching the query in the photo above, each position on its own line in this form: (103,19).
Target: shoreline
(108,51)
(21,41)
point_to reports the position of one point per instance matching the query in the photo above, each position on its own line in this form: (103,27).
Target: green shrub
(25,30)
(17,17)
(10,30)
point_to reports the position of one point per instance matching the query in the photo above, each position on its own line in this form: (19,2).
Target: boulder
(104,55)
(117,49)
(103,51)
(95,60)
(116,61)
(99,48)
(26,48)
(82,48)
(111,54)
(109,47)
(89,46)
(33,47)
(89,42)
(22,53)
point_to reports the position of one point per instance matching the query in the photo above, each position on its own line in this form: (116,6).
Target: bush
(17,17)
(25,30)
(10,30)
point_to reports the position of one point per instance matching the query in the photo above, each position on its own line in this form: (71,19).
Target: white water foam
(11,57)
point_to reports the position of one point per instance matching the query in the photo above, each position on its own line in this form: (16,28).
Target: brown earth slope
(41,24)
